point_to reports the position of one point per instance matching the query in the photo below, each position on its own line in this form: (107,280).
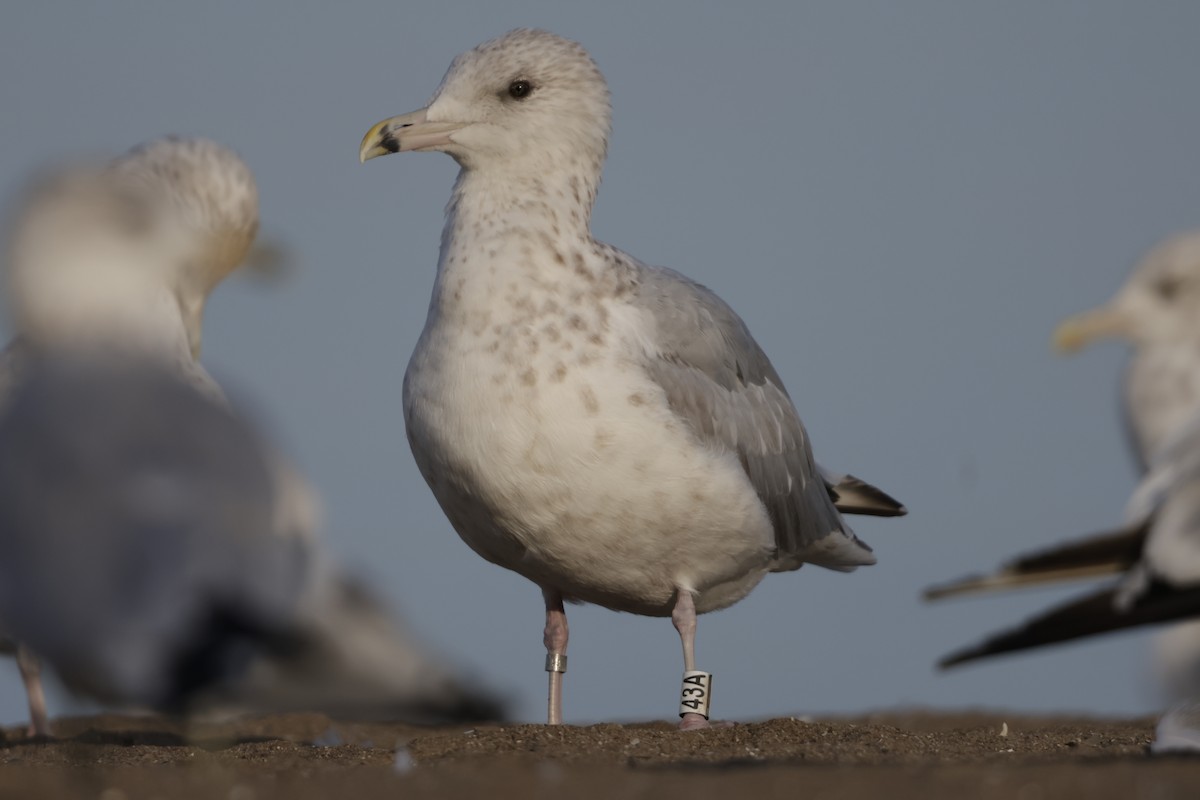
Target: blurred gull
(155,552)
(1158,311)
(1157,551)
(607,429)
(137,555)
(210,198)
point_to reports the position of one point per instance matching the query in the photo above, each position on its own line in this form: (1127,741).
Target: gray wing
(718,379)
(12,359)
(141,556)
(297,507)
(136,553)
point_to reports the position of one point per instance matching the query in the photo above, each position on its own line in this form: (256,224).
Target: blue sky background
(902,200)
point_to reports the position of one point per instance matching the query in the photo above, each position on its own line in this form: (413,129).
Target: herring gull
(208,193)
(195,576)
(607,429)
(1158,312)
(126,489)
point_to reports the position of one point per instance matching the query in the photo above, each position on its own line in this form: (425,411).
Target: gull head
(527,101)
(210,191)
(211,197)
(90,257)
(1159,304)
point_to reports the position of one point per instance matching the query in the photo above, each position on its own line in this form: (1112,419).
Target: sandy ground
(895,755)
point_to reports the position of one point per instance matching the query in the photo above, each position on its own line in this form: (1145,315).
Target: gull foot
(695,722)
(32,732)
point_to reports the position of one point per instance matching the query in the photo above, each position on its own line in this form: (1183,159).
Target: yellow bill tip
(1076,332)
(373,142)
(1069,338)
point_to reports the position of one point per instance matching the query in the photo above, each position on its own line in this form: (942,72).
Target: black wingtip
(963,656)
(940,591)
(889,509)
(1119,548)
(1086,616)
(853,495)
(1095,556)
(1091,615)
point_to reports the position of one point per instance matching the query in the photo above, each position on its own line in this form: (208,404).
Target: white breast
(1162,392)
(554,455)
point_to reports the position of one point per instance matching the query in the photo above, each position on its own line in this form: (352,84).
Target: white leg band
(556,662)
(696,692)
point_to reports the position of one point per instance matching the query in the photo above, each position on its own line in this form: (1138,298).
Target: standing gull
(189,542)
(607,429)
(114,448)
(1158,312)
(211,198)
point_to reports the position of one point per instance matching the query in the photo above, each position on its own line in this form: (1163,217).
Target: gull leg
(31,676)
(555,639)
(696,685)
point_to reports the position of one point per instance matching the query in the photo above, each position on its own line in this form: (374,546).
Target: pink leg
(684,617)
(555,639)
(31,675)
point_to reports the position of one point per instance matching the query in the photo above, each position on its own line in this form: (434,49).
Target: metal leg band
(556,662)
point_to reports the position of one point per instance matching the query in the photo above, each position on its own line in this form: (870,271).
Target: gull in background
(607,429)
(189,546)
(1158,311)
(209,195)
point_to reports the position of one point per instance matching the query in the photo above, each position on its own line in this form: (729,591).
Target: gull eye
(519,90)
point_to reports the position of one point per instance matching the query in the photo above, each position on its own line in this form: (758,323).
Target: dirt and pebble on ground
(896,755)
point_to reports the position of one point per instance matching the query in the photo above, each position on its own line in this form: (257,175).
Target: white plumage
(608,429)
(187,569)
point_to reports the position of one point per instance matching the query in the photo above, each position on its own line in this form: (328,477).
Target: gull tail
(853,495)
(358,662)
(1090,615)
(1094,556)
